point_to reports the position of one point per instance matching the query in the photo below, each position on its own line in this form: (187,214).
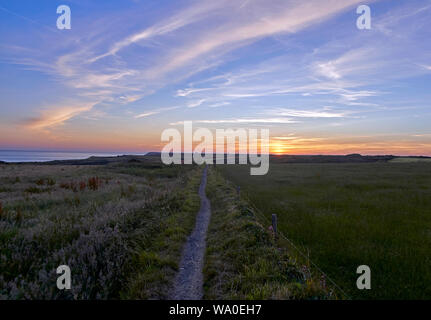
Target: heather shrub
(94,183)
(35,190)
(64,185)
(19,216)
(96,234)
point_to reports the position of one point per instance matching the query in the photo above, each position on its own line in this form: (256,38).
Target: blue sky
(129,69)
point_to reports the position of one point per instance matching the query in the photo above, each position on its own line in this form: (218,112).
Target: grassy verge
(243,261)
(156,259)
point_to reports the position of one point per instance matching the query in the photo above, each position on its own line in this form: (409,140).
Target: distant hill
(153,154)
(155,157)
(354,157)
(101,160)
(329,159)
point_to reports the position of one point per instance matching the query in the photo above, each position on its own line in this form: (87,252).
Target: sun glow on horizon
(306,72)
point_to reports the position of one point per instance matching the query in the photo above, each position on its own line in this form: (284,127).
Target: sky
(127,70)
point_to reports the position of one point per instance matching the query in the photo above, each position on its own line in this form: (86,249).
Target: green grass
(346,215)
(243,260)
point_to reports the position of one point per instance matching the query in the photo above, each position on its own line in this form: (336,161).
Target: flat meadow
(342,215)
(121,228)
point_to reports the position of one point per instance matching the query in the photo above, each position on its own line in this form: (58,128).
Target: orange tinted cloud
(56,116)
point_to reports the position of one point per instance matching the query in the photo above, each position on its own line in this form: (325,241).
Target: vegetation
(345,215)
(244,260)
(121,227)
(411,159)
(156,258)
(119,232)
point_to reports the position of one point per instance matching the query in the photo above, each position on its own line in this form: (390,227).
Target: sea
(42,156)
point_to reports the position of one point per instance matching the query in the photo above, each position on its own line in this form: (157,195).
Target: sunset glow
(127,70)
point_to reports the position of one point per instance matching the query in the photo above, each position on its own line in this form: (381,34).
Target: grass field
(121,228)
(410,159)
(345,215)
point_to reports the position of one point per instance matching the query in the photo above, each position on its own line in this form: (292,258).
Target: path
(188,284)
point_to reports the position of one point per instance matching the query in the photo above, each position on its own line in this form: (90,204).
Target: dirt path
(188,284)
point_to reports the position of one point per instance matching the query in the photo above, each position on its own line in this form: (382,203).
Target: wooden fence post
(274,225)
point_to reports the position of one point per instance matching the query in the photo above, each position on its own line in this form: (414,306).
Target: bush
(82,186)
(33,190)
(19,216)
(94,183)
(69,186)
(64,186)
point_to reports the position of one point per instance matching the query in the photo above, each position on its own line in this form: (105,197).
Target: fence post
(238,189)
(274,225)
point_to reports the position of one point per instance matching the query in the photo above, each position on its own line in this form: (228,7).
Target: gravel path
(188,284)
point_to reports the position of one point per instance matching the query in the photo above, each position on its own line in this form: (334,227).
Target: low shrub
(94,183)
(82,186)
(33,190)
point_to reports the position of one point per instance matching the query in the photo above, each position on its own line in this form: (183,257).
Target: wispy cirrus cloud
(246,58)
(146,114)
(57,115)
(251,22)
(187,16)
(307,113)
(345,68)
(194,104)
(154,112)
(116,73)
(242,121)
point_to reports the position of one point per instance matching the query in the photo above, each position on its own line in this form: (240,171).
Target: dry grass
(96,219)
